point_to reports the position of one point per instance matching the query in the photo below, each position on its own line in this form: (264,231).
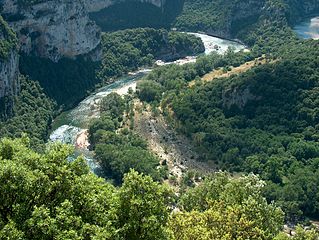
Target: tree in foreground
(226,208)
(301,234)
(144,208)
(44,196)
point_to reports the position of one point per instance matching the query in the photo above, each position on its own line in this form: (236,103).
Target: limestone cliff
(9,74)
(57,28)
(9,60)
(52,29)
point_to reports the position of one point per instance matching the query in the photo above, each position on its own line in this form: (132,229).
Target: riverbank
(224,38)
(82,139)
(308,28)
(70,127)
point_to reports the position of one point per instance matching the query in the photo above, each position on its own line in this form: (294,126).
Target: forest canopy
(261,125)
(262,121)
(48,196)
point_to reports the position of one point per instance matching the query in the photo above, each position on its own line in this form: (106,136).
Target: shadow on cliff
(66,81)
(134,14)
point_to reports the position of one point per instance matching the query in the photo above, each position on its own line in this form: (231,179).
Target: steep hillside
(131,14)
(68,80)
(32,114)
(60,44)
(256,116)
(228,18)
(262,120)
(218,17)
(52,29)
(8,68)
(56,29)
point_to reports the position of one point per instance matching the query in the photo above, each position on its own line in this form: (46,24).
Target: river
(70,126)
(308,28)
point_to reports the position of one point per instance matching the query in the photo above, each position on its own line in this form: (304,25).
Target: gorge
(71,29)
(71,124)
(127,119)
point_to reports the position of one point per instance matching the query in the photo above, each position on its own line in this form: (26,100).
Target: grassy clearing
(224,73)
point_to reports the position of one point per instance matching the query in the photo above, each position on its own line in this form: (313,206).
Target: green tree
(144,208)
(45,196)
(223,207)
(105,123)
(301,234)
(116,160)
(149,91)
(113,104)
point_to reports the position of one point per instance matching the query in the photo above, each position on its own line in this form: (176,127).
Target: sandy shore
(82,139)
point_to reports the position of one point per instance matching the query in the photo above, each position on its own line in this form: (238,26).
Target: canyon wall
(52,29)
(9,66)
(9,69)
(58,28)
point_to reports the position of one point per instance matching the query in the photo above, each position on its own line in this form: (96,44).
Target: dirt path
(171,147)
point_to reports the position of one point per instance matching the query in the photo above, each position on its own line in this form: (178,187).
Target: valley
(157,119)
(70,127)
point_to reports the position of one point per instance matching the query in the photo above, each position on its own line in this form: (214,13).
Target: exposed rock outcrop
(9,69)
(58,28)
(238,97)
(52,29)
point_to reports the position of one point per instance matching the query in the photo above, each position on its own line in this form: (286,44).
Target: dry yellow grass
(220,73)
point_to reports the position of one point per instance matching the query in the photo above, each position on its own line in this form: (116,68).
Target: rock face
(58,28)
(238,97)
(9,70)
(52,29)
